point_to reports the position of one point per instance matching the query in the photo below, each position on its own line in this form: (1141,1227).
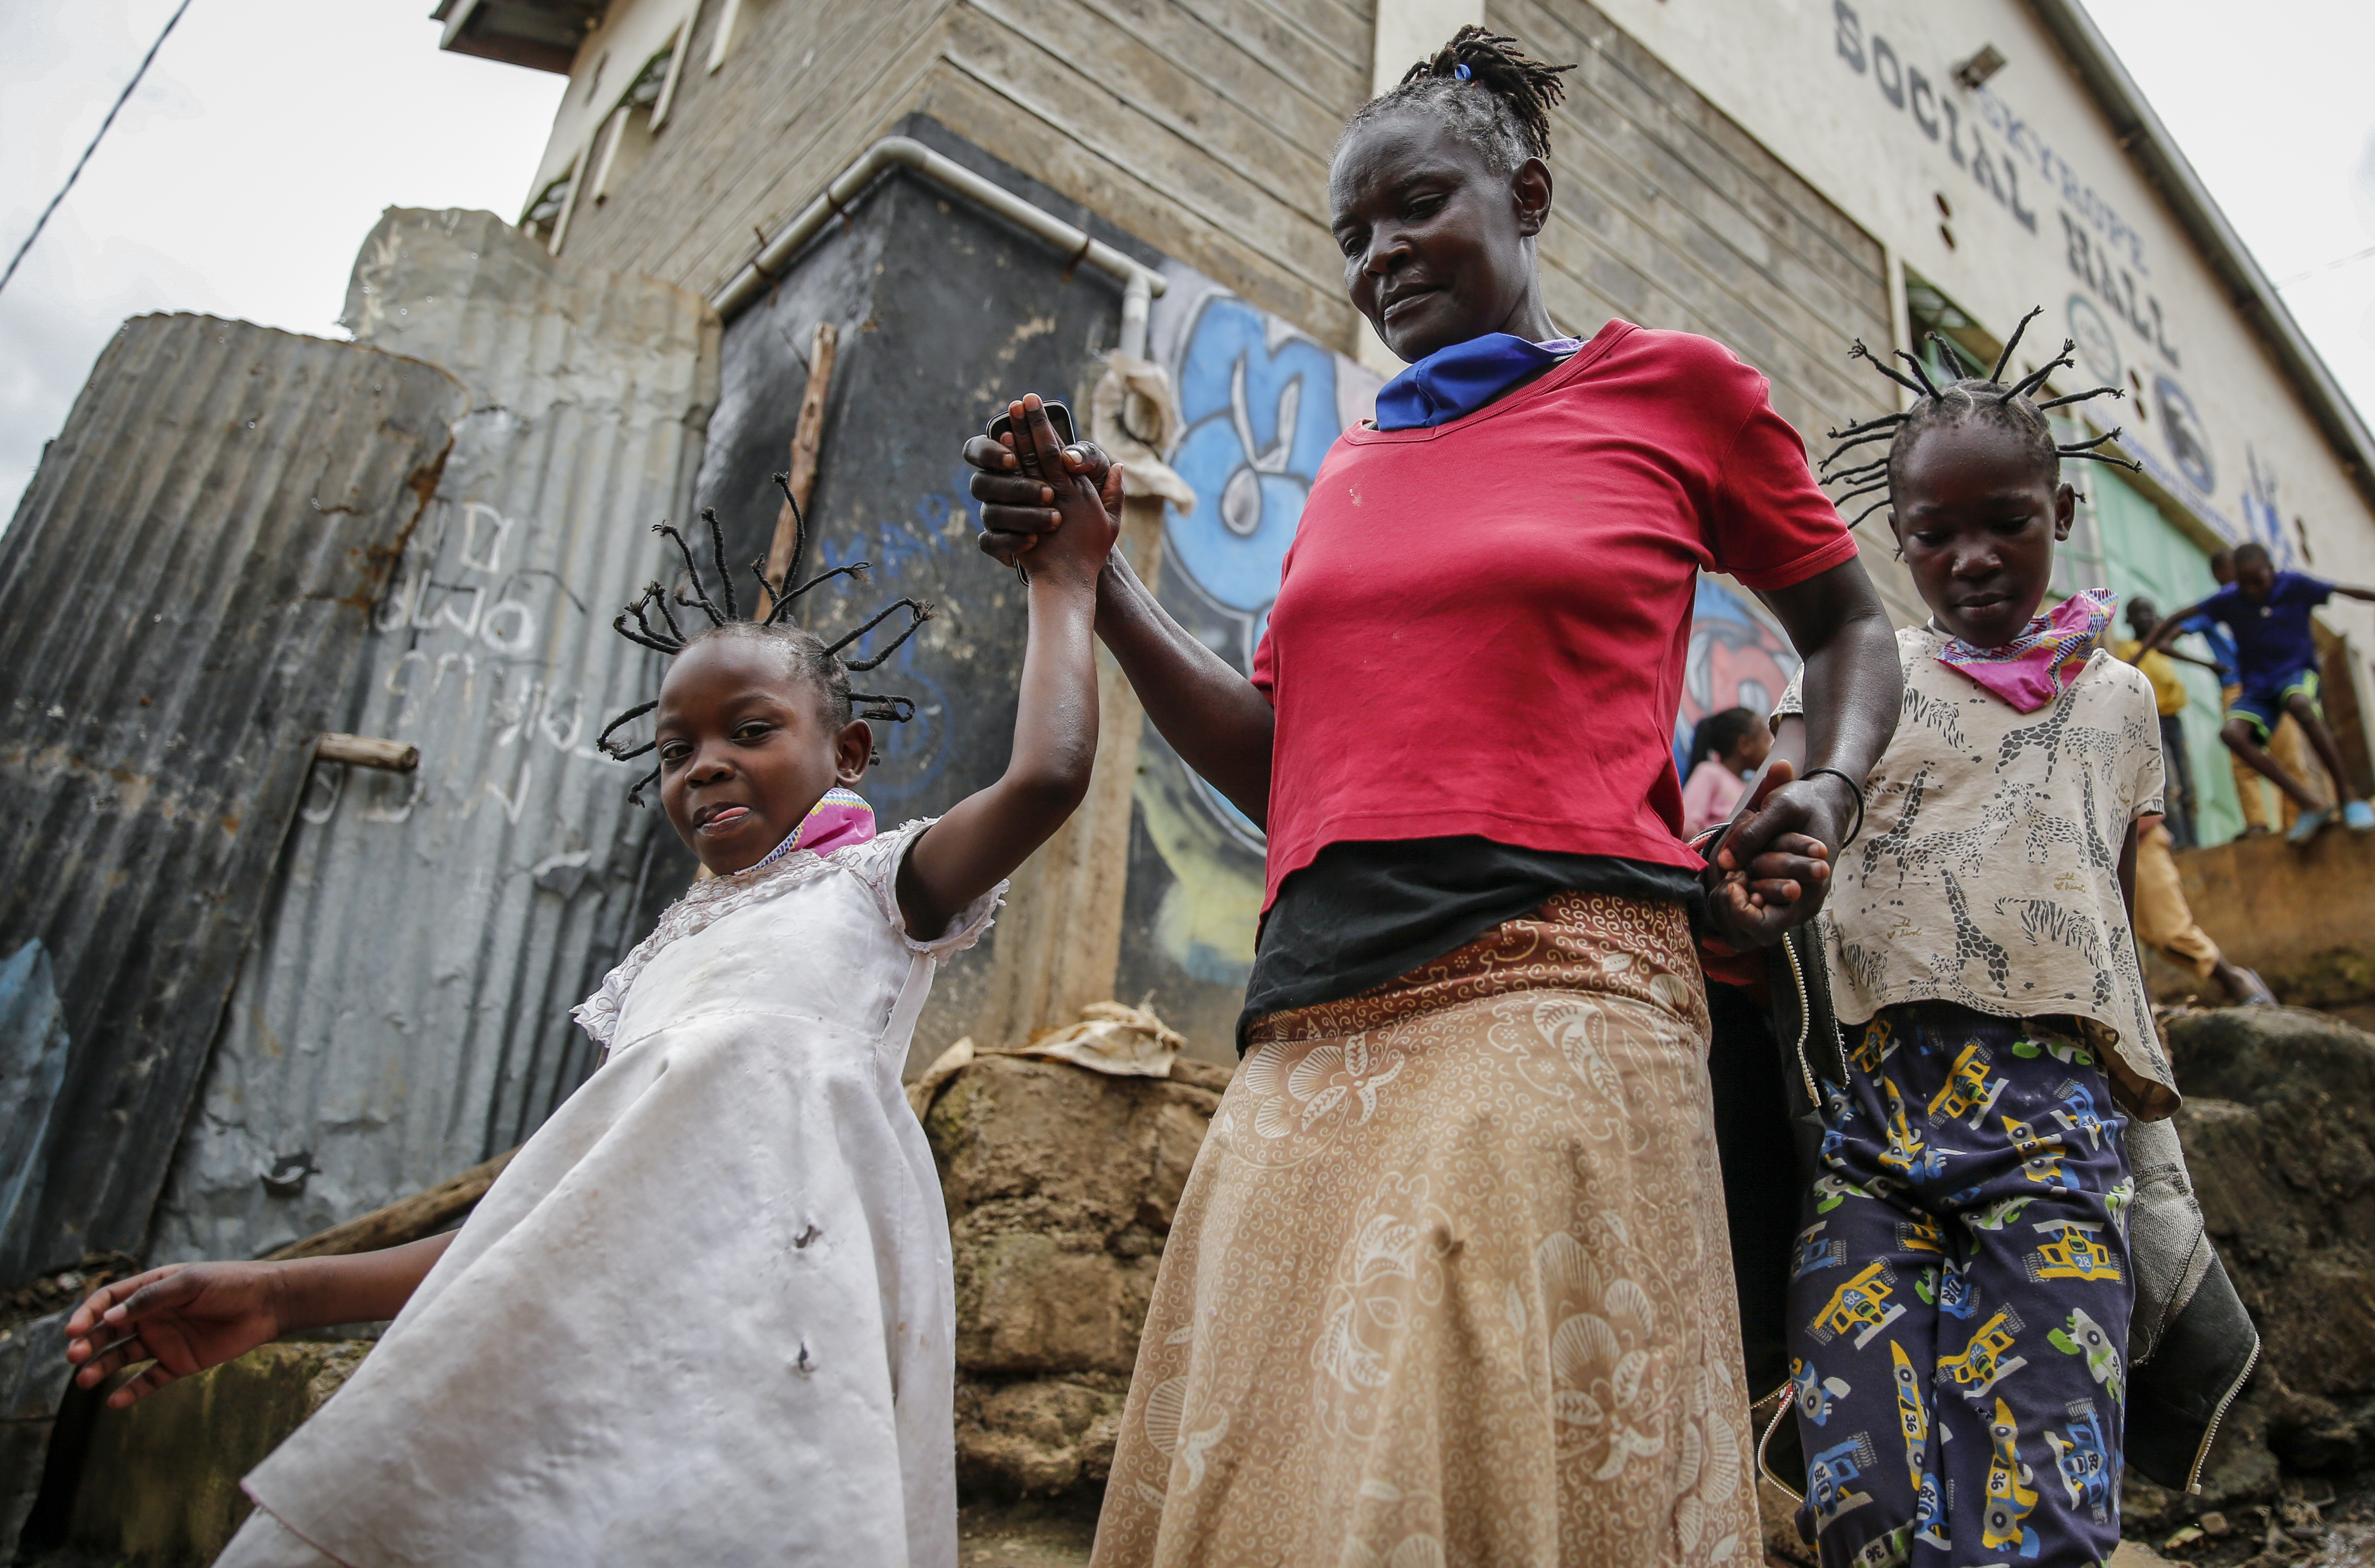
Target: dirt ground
(1029,1534)
(2337,1532)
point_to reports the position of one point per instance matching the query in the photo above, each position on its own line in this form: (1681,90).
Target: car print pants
(1958,1298)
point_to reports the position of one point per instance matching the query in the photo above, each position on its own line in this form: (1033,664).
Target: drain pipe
(1139,284)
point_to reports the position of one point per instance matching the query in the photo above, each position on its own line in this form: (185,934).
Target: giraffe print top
(1988,871)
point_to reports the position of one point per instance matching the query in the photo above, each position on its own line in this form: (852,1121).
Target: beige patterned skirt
(1449,1283)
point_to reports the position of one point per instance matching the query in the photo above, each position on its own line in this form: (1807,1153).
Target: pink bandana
(837,821)
(2039,666)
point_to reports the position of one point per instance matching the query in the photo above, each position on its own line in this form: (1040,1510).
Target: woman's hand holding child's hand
(1770,876)
(1075,495)
(184,1317)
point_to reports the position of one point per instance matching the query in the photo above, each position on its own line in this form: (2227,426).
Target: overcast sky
(243,175)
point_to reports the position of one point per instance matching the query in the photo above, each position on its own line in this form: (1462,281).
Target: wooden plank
(406,1219)
(367,751)
(799,479)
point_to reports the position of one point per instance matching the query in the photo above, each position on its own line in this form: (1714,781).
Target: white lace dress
(705,1315)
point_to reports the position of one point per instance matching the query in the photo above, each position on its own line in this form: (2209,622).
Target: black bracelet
(1818,772)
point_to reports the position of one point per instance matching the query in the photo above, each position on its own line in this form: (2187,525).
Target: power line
(42,222)
(2328,266)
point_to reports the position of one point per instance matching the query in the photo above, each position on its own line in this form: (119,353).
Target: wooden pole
(406,1219)
(366,751)
(807,433)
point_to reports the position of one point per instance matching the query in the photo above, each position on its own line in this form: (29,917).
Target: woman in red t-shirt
(1450,1281)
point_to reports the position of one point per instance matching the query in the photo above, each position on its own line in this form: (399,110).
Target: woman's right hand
(1016,508)
(185,1317)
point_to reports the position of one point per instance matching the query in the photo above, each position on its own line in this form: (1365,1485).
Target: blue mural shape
(1258,416)
(2188,438)
(2262,521)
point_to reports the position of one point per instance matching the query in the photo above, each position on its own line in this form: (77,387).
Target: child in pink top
(1726,751)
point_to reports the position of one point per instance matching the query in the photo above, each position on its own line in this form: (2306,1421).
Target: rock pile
(2279,1129)
(1061,1184)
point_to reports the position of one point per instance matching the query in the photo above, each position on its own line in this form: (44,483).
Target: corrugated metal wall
(405,1014)
(184,598)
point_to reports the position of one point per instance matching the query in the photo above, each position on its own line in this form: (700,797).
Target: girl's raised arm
(1215,718)
(985,836)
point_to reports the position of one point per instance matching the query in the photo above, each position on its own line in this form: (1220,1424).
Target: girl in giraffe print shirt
(1960,1292)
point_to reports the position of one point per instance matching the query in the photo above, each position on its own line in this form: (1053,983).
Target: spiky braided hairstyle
(809,656)
(1988,399)
(1493,92)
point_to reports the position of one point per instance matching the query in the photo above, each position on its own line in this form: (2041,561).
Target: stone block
(1028,1302)
(1061,1186)
(1035,1438)
(2279,1130)
(2302,917)
(1092,1147)
(160,1485)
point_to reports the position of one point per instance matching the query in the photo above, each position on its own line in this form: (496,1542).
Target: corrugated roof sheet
(185,595)
(405,1014)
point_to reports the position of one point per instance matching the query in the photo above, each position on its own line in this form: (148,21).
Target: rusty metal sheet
(185,593)
(405,1012)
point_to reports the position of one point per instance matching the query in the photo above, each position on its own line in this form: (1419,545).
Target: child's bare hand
(185,1317)
(1783,887)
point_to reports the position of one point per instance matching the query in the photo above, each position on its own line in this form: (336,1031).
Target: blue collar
(1453,383)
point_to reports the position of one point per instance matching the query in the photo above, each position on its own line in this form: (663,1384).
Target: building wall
(1202,126)
(2017,195)
(941,309)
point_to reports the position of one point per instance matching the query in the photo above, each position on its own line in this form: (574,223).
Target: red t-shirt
(1481,626)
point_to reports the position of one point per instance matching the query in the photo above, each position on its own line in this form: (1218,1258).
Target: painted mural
(1738,659)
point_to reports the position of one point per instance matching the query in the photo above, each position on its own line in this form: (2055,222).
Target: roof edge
(2141,133)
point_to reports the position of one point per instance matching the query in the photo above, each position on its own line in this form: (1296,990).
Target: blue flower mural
(1258,410)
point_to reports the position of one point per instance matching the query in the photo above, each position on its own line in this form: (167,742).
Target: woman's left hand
(1775,866)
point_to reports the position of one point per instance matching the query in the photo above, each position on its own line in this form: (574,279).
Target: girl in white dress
(705,1315)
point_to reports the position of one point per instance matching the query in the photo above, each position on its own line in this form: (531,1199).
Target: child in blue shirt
(2267,613)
